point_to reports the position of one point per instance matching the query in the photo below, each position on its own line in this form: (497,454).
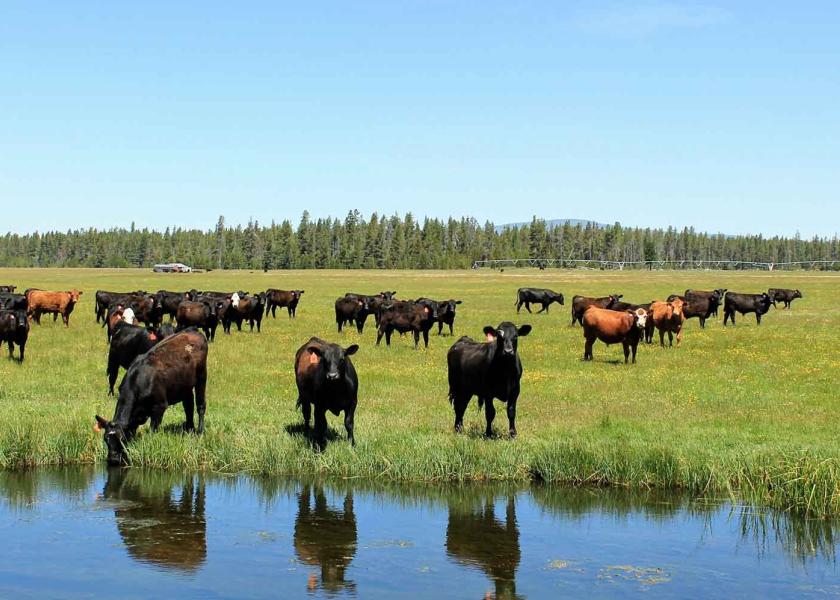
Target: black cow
(202,313)
(244,308)
(326,379)
(127,343)
(784,295)
(352,310)
(544,297)
(280,298)
(105,299)
(487,370)
(10,301)
(375,303)
(581,303)
(14,329)
(700,304)
(446,313)
(166,375)
(746,303)
(168,302)
(415,317)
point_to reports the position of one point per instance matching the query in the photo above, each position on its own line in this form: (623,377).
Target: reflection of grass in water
(22,489)
(801,538)
(746,409)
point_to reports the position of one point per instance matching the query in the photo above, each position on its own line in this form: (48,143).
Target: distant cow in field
(612,327)
(698,304)
(129,341)
(168,302)
(14,329)
(327,381)
(244,308)
(352,310)
(103,299)
(275,299)
(668,318)
(784,295)
(57,303)
(746,303)
(581,303)
(446,313)
(167,374)
(374,302)
(404,317)
(488,370)
(8,289)
(543,297)
(202,313)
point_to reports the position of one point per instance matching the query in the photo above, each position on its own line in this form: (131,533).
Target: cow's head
(678,306)
(640,317)
(388,295)
(297,293)
(614,298)
(332,358)
(506,336)
(74,295)
(449,305)
(558,298)
(128,315)
(766,300)
(115,440)
(235,299)
(797,294)
(430,308)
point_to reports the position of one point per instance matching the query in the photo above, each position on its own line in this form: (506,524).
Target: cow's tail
(480,403)
(298,402)
(451,396)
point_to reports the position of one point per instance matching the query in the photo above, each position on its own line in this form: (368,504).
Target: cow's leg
(670,338)
(189,410)
(528,306)
(426,337)
(460,404)
(451,332)
(758,318)
(511,412)
(490,414)
(200,399)
(379,333)
(518,306)
(112,371)
(662,337)
(679,336)
(348,425)
(388,333)
(321,427)
(702,323)
(306,409)
(21,348)
(440,327)
(11,349)
(339,323)
(633,347)
(157,415)
(626,345)
(543,309)
(587,349)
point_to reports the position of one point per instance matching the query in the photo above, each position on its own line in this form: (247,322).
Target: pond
(134,533)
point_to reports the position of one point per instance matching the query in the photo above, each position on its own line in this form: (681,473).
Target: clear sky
(724,116)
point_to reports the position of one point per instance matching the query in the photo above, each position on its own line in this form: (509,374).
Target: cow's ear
(523,331)
(351,350)
(490,332)
(100,423)
(314,350)
(301,291)
(457,302)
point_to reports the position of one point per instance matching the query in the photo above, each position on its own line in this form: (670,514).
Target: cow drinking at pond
(746,303)
(489,370)
(167,374)
(14,329)
(275,299)
(581,303)
(613,327)
(543,297)
(327,381)
(784,295)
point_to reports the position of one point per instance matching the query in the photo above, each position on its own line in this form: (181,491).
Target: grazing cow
(8,289)
(275,299)
(784,295)
(165,375)
(414,317)
(375,303)
(611,327)
(528,296)
(105,299)
(326,379)
(446,313)
(487,370)
(581,303)
(57,303)
(127,343)
(476,537)
(202,313)
(746,303)
(668,317)
(168,302)
(352,310)
(331,553)
(10,301)
(14,329)
(244,308)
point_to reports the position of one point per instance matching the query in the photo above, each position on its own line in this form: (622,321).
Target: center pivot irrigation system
(620,265)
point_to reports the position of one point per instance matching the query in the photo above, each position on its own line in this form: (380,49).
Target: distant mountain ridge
(552,223)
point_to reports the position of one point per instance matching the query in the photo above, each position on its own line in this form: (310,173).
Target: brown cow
(581,303)
(668,317)
(57,303)
(613,327)
(275,298)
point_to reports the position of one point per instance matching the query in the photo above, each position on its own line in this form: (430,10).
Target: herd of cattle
(166,363)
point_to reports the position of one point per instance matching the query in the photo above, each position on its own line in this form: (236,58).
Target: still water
(132,533)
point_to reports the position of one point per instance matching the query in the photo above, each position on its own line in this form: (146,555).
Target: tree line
(393,242)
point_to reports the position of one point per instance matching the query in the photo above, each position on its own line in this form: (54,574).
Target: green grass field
(750,411)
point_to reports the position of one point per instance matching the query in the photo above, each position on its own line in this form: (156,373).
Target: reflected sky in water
(134,533)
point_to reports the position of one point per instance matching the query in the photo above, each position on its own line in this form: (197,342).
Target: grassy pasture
(747,410)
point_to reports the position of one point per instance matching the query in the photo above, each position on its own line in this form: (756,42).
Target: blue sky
(724,116)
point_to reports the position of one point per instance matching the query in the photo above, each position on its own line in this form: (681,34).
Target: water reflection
(326,537)
(475,537)
(22,490)
(160,516)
